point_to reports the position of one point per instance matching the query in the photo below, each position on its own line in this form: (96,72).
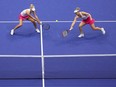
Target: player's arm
(73,23)
(28,13)
(87,14)
(37,19)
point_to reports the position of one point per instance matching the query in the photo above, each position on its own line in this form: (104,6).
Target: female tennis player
(27,15)
(86,19)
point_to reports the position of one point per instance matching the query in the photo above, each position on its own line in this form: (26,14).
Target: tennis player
(27,15)
(86,19)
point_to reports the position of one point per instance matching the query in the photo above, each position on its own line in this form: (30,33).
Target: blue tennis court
(30,59)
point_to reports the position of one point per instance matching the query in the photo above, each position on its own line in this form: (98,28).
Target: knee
(20,25)
(33,21)
(80,26)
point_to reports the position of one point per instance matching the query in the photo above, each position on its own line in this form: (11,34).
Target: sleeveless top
(84,17)
(23,13)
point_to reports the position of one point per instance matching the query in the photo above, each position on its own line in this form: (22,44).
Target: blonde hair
(77,10)
(32,7)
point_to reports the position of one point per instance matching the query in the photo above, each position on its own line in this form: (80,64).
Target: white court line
(77,21)
(112,21)
(82,55)
(22,56)
(51,56)
(42,57)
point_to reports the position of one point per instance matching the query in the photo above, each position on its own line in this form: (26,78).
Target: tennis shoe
(12,32)
(103,31)
(37,30)
(81,35)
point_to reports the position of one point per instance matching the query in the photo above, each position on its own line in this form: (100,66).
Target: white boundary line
(42,58)
(112,21)
(72,21)
(22,56)
(52,56)
(82,55)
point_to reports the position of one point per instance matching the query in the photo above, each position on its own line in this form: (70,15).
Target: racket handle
(68,30)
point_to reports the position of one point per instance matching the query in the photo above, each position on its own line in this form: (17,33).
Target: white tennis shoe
(12,32)
(37,30)
(103,31)
(81,35)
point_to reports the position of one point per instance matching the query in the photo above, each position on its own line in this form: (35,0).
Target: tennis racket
(46,26)
(65,33)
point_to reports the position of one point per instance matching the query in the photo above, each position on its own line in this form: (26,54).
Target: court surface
(29,59)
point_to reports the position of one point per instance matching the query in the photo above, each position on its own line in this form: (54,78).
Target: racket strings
(46,26)
(65,33)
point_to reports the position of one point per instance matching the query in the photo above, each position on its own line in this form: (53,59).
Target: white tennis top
(23,13)
(83,16)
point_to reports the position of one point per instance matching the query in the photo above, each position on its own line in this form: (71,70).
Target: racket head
(65,33)
(46,26)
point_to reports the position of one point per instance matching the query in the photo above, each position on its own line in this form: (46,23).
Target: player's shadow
(31,34)
(20,36)
(93,37)
(89,38)
(24,32)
